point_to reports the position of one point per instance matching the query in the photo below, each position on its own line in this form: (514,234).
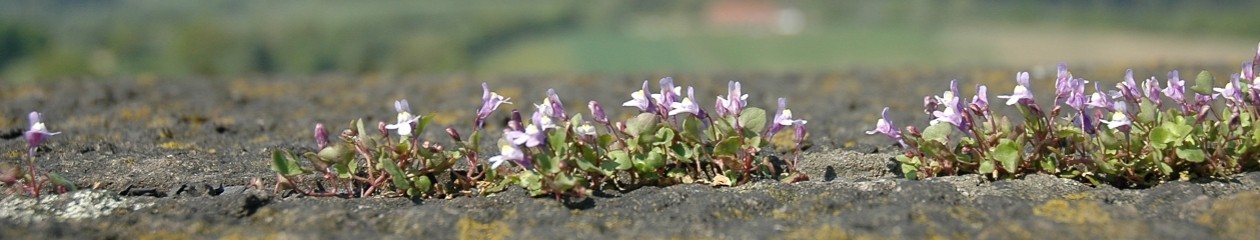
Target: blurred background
(68,39)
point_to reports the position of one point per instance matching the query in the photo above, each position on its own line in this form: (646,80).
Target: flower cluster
(554,152)
(1137,134)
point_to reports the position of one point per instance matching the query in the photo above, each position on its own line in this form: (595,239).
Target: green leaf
(1147,111)
(1164,168)
(650,162)
(753,119)
(910,172)
(358,125)
(685,154)
(1169,133)
(337,153)
(641,124)
(575,120)
(1007,153)
(909,166)
(344,170)
(556,139)
(665,136)
(1203,83)
(562,182)
(1071,133)
(606,140)
(623,160)
(938,132)
(531,182)
(421,124)
(422,183)
(986,166)
(676,173)
(58,180)
(691,129)
(400,179)
(283,163)
(1191,154)
(474,141)
(547,163)
(728,147)
(1255,135)
(1160,137)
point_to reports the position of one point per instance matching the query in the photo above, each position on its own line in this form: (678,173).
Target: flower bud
(380,126)
(598,112)
(321,136)
(516,117)
(454,134)
(800,134)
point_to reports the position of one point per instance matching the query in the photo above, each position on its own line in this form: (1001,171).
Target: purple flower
(321,136)
(1248,71)
(556,110)
(405,119)
(734,101)
(598,112)
(36,135)
(1021,94)
(782,118)
(950,98)
(509,152)
(1099,99)
(543,121)
(688,104)
(1076,97)
(1231,92)
(1152,90)
(1128,89)
(1119,121)
(1087,123)
(531,137)
(669,94)
(585,129)
(489,102)
(641,99)
(533,134)
(1176,87)
(981,101)
(1062,82)
(887,128)
(930,104)
(950,115)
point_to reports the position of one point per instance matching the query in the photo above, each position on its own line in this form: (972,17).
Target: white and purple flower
(489,102)
(405,119)
(642,99)
(510,152)
(734,101)
(886,127)
(36,135)
(1021,94)
(783,118)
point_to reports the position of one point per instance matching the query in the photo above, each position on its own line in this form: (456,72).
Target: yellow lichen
(821,232)
(176,145)
(1236,215)
(1078,196)
(472,229)
(1074,212)
(134,113)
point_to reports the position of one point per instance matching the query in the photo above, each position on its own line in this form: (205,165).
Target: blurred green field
(67,39)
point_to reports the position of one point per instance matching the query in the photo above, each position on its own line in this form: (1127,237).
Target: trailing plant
(1135,135)
(30,180)
(672,140)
